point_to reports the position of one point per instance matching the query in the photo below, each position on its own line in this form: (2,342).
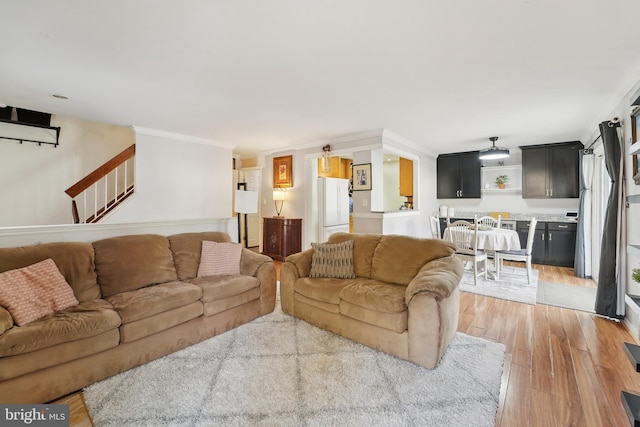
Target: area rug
(567,296)
(512,285)
(281,371)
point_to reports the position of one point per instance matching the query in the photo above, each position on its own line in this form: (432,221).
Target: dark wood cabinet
(459,176)
(281,237)
(551,170)
(554,243)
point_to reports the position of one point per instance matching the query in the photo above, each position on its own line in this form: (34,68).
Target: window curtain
(611,290)
(582,266)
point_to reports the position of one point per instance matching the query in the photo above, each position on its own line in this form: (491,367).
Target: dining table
(492,239)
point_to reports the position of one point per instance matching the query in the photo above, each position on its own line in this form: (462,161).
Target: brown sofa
(139,299)
(404,300)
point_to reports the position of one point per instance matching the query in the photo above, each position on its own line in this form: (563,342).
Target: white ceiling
(266,75)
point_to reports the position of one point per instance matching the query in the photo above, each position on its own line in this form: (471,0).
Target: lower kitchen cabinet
(554,243)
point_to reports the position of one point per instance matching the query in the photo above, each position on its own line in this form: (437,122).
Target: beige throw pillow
(332,260)
(32,292)
(218,259)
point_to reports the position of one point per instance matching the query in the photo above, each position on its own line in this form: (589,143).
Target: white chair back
(435,227)
(530,236)
(489,221)
(464,235)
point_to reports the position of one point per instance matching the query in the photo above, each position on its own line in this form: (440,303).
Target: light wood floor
(562,367)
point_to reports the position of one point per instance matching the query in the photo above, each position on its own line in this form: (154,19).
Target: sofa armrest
(302,262)
(262,268)
(439,277)
(294,267)
(250,262)
(6,320)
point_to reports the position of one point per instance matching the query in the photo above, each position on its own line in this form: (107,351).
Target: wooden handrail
(100,172)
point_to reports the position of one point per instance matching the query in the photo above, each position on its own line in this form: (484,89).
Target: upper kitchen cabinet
(551,170)
(338,168)
(406,177)
(459,176)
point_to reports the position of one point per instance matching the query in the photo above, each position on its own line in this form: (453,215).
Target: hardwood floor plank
(541,412)
(610,391)
(542,359)
(516,405)
(596,410)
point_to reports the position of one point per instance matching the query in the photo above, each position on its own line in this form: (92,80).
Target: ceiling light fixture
(494,152)
(326,152)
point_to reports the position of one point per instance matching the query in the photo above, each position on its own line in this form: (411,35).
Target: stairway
(104,189)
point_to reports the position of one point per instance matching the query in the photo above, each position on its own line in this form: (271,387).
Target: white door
(252,178)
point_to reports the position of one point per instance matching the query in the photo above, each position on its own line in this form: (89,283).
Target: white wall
(178,178)
(33,178)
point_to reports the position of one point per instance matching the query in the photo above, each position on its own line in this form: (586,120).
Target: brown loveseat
(403,301)
(139,299)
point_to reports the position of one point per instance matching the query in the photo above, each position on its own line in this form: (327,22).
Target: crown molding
(181,137)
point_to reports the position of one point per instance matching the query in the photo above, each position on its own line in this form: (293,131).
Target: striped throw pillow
(219,259)
(332,260)
(35,291)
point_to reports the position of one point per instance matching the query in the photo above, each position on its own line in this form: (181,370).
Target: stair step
(633,353)
(631,404)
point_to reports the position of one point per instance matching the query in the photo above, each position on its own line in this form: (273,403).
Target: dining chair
(518,255)
(489,221)
(435,227)
(465,236)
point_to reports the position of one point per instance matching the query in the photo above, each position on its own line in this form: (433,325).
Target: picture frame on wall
(361,175)
(283,172)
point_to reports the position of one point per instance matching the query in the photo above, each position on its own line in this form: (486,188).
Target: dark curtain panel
(607,292)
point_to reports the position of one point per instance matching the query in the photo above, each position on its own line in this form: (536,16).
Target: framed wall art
(361,175)
(283,172)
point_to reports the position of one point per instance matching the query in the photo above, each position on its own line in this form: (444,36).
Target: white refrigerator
(333,206)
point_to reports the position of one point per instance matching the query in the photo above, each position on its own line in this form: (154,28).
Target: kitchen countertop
(517,216)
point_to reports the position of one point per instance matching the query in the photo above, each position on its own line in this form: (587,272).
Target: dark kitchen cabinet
(551,170)
(281,237)
(459,176)
(554,243)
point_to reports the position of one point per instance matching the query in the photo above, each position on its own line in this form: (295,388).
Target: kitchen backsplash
(515,216)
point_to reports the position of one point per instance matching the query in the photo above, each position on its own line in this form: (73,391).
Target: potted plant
(501,180)
(635,275)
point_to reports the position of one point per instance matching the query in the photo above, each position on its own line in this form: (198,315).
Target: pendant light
(494,152)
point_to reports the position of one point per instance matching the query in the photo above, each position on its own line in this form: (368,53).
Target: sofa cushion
(332,260)
(364,245)
(142,303)
(24,363)
(396,322)
(186,248)
(84,320)
(133,331)
(220,287)
(132,262)
(35,291)
(325,290)
(415,253)
(375,295)
(224,304)
(218,259)
(74,260)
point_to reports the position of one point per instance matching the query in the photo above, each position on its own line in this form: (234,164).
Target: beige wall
(33,178)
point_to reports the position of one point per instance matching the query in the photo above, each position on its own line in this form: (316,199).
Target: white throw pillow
(35,291)
(218,259)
